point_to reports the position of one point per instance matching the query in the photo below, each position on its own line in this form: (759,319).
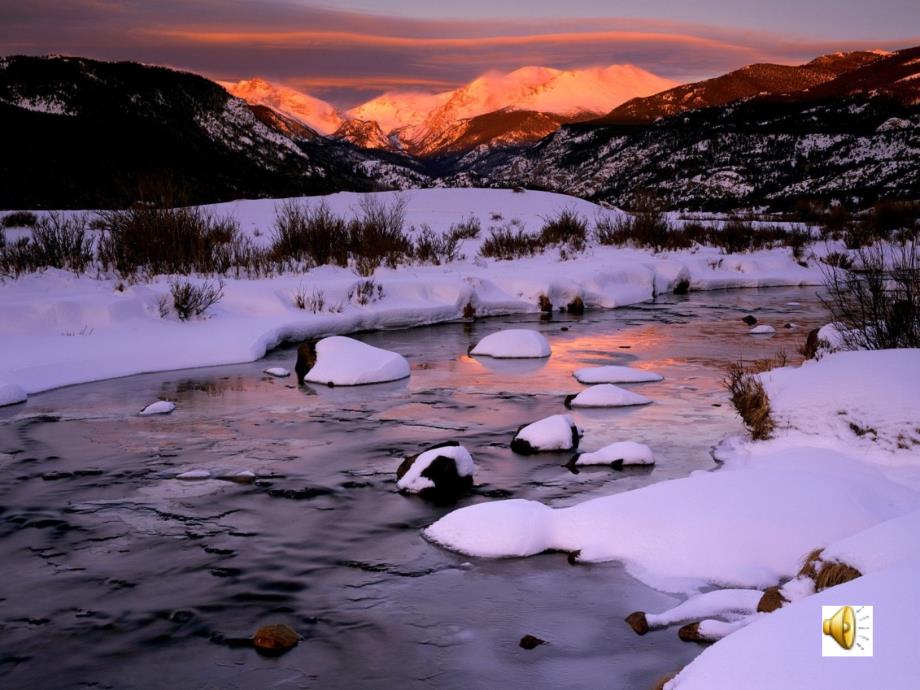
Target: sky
(351,50)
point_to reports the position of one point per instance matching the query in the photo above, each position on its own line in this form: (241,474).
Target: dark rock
(682,287)
(771,600)
(811,344)
(749,320)
(274,640)
(545,305)
(564,328)
(442,471)
(531,642)
(691,633)
(576,306)
(637,622)
(573,556)
(306,358)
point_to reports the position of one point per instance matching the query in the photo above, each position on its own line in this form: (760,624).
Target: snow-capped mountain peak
(313,112)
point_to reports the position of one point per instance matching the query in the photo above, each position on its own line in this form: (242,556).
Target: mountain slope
(83,133)
(853,138)
(312,112)
(752,80)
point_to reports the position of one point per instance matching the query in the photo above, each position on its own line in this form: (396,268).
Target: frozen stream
(116,574)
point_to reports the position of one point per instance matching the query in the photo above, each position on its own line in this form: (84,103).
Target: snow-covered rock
(615,374)
(552,433)
(445,470)
(194,475)
(762,329)
(723,527)
(733,604)
(606,395)
(11,394)
(513,343)
(620,454)
(159,407)
(278,372)
(342,361)
(783,649)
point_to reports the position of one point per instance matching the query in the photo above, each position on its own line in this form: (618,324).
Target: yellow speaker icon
(842,627)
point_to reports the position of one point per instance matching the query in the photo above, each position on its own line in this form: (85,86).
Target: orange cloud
(300,39)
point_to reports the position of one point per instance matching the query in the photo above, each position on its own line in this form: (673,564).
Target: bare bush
(309,233)
(434,248)
(194,300)
(58,241)
(19,219)
(567,228)
(467,229)
(377,235)
(646,226)
(365,292)
(160,240)
(876,304)
(509,243)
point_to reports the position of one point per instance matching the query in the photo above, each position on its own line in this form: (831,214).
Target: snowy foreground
(58,329)
(841,475)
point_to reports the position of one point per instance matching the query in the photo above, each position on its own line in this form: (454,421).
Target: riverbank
(59,329)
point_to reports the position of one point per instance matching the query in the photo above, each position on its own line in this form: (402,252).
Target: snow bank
(413,481)
(731,603)
(763,329)
(615,374)
(620,453)
(888,544)
(159,407)
(865,401)
(783,649)
(514,343)
(552,433)
(606,395)
(342,361)
(11,394)
(748,527)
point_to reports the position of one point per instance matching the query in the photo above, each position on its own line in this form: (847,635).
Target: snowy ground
(58,329)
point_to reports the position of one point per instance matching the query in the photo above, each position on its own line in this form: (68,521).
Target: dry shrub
(436,249)
(509,243)
(309,233)
(58,241)
(750,400)
(377,236)
(826,573)
(566,228)
(194,300)
(19,219)
(469,311)
(876,305)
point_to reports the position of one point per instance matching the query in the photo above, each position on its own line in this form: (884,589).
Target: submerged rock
(342,361)
(550,434)
(617,455)
(514,343)
(762,330)
(615,374)
(159,407)
(441,472)
(278,372)
(274,640)
(606,395)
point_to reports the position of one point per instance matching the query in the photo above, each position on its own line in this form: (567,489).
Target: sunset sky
(351,50)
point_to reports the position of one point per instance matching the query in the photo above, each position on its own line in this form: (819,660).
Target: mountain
(853,138)
(443,124)
(83,133)
(312,112)
(749,81)
(571,94)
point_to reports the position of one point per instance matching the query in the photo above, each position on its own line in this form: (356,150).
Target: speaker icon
(842,627)
(846,631)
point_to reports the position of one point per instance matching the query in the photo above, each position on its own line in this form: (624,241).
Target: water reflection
(132,578)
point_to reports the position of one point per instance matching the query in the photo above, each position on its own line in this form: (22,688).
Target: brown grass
(664,680)
(750,400)
(771,600)
(827,573)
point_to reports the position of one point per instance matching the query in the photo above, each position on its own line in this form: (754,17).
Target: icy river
(117,574)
